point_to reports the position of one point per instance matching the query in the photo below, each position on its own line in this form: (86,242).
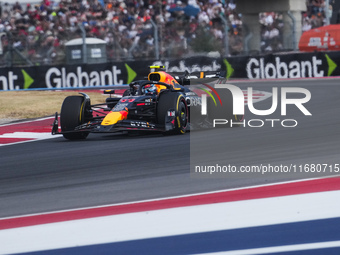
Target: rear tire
(74,113)
(176,101)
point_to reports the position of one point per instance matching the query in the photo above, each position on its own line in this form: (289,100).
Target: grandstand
(36,32)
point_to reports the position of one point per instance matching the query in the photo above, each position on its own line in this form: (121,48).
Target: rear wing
(196,78)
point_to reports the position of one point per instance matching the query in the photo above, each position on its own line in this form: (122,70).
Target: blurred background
(39,32)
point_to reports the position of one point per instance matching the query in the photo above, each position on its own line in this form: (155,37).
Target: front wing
(123,125)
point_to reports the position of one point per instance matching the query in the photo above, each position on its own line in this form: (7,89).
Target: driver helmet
(149,89)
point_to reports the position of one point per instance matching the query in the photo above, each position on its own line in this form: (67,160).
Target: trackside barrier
(271,66)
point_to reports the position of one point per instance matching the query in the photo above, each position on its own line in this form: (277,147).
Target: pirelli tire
(173,100)
(74,112)
(224,111)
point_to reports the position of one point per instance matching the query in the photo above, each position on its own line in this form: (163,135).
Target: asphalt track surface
(57,174)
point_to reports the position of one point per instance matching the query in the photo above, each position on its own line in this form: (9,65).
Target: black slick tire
(73,114)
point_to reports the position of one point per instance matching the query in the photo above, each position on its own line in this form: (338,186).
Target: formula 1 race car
(161,103)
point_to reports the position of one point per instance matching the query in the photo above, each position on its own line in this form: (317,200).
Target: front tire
(74,112)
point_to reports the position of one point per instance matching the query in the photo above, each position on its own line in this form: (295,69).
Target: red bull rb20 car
(162,103)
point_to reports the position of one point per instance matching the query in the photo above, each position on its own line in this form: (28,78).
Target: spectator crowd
(40,30)
(272,24)
(316,14)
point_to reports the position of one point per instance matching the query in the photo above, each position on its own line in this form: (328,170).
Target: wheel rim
(183,116)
